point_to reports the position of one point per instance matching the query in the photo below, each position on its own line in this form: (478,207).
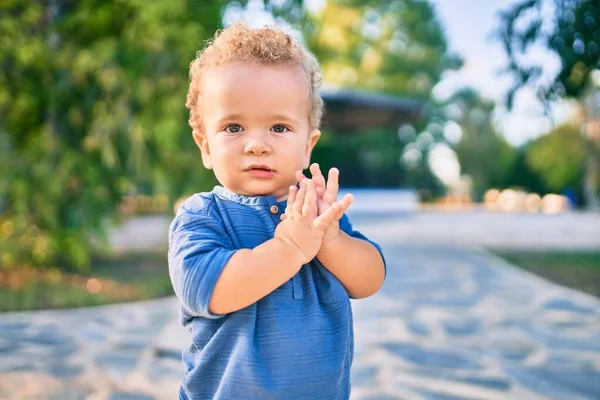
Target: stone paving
(493,229)
(87,353)
(455,323)
(490,229)
(452,322)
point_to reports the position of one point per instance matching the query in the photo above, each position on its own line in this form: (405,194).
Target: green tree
(574,36)
(559,158)
(393,47)
(482,152)
(521,175)
(91,107)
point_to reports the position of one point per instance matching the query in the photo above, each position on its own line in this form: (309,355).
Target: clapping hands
(324,194)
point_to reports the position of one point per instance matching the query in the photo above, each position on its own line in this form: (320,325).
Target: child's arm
(251,274)
(211,278)
(356,263)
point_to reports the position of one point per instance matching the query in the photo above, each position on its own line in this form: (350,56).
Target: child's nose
(257,145)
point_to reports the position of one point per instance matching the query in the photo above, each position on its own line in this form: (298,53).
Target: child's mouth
(261,171)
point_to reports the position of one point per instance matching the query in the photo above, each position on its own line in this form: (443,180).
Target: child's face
(256,129)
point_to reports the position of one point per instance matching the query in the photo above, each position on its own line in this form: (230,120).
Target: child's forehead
(237,81)
(256,71)
(255,91)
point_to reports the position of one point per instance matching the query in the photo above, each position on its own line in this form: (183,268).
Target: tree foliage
(394,47)
(559,157)
(91,108)
(573,35)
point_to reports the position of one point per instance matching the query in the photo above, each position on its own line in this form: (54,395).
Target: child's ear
(313,138)
(202,143)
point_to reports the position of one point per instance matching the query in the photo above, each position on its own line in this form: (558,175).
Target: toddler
(264,266)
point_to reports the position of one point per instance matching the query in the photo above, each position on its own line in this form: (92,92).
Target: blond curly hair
(270,46)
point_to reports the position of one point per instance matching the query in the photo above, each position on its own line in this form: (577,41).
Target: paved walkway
(571,230)
(451,322)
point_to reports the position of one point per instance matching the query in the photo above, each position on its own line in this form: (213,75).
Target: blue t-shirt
(295,343)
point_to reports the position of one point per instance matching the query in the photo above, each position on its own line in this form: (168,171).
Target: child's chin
(255,188)
(259,190)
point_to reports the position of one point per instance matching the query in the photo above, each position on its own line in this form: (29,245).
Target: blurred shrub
(559,157)
(91,109)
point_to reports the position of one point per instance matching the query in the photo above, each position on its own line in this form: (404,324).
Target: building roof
(351,110)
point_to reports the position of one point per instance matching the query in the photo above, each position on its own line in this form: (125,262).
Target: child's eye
(233,128)
(280,129)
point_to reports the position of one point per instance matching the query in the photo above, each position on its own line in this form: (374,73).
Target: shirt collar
(247,200)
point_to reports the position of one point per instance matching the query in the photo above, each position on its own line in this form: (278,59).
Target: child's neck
(279,199)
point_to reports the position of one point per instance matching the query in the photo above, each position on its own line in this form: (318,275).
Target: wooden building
(351,111)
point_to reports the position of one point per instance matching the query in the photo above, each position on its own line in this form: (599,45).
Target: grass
(113,279)
(576,269)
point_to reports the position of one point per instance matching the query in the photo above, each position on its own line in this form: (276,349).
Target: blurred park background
(464,106)
(463,122)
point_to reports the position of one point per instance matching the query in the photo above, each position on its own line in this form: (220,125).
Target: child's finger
(299,200)
(290,200)
(325,219)
(300,176)
(309,208)
(318,177)
(344,204)
(332,183)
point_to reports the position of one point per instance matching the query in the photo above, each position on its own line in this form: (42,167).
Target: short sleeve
(346,227)
(199,250)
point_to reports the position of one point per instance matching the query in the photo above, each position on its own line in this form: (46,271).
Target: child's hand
(326,196)
(303,228)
